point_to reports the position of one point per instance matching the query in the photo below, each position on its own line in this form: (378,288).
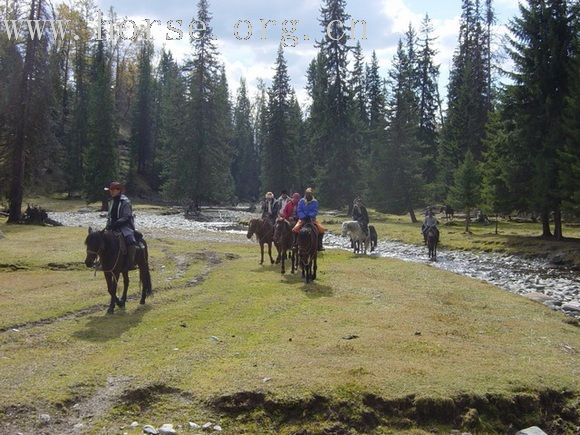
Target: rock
(350,337)
(79,426)
(167,429)
(134,424)
(44,418)
(214,338)
(571,306)
(1,235)
(217,428)
(193,425)
(150,430)
(538,297)
(534,430)
(207,426)
(266,380)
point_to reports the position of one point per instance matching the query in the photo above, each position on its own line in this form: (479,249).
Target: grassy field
(513,237)
(376,346)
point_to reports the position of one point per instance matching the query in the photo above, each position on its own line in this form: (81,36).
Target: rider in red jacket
(289,212)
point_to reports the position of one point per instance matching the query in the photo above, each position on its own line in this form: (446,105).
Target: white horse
(356,234)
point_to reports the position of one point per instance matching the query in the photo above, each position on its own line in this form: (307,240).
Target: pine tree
(428,96)
(466,190)
(31,117)
(171,132)
(541,49)
(245,162)
(345,143)
(277,154)
(402,160)
(468,99)
(298,144)
(101,157)
(142,125)
(358,85)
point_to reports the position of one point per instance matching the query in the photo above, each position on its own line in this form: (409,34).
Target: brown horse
(432,240)
(307,251)
(106,246)
(264,232)
(285,243)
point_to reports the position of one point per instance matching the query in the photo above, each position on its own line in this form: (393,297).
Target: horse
(448,210)
(106,246)
(308,251)
(264,232)
(374,237)
(357,235)
(432,240)
(285,242)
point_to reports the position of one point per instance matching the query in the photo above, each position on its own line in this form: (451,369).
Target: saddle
(123,244)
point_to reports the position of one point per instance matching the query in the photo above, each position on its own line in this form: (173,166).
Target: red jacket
(289,211)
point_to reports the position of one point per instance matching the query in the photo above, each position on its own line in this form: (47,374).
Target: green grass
(513,237)
(429,342)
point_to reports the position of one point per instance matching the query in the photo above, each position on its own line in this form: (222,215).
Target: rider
(429,222)
(281,203)
(290,211)
(268,211)
(120,218)
(360,214)
(307,211)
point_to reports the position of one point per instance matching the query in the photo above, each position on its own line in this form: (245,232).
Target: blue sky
(387,20)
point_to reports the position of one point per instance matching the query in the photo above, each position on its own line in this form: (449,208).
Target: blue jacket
(307,209)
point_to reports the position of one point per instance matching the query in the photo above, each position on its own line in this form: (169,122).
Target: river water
(556,286)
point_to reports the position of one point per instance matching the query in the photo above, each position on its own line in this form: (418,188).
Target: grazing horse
(374,237)
(448,210)
(308,251)
(356,234)
(264,232)
(106,246)
(432,240)
(285,242)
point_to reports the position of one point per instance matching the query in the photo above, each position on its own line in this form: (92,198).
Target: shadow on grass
(108,327)
(315,290)
(267,267)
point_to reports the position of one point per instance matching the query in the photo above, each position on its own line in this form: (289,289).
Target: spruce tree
(465,193)
(277,154)
(143,119)
(245,161)
(101,157)
(428,100)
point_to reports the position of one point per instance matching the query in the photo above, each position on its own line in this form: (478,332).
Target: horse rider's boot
(131,250)
(320,247)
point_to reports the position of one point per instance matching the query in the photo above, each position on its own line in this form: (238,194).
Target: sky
(253,57)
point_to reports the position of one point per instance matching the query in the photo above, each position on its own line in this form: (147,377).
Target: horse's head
(253,226)
(95,244)
(344,229)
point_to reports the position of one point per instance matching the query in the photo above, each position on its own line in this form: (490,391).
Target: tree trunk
(412,214)
(546,224)
(18,151)
(496,222)
(467,221)
(558,223)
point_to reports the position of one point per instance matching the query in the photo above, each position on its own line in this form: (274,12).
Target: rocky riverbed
(556,286)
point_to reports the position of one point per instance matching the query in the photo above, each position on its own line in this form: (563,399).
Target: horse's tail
(144,275)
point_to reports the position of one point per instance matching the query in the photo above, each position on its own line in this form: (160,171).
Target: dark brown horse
(285,243)
(432,240)
(307,251)
(106,246)
(264,232)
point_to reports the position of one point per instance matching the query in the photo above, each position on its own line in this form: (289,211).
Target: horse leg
(283,261)
(121,303)
(278,249)
(112,287)
(262,253)
(315,267)
(270,252)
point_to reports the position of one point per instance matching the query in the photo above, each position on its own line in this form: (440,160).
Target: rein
(111,271)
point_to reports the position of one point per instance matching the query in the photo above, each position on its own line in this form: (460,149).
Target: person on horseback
(281,202)
(290,211)
(360,214)
(120,218)
(307,212)
(429,222)
(268,211)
